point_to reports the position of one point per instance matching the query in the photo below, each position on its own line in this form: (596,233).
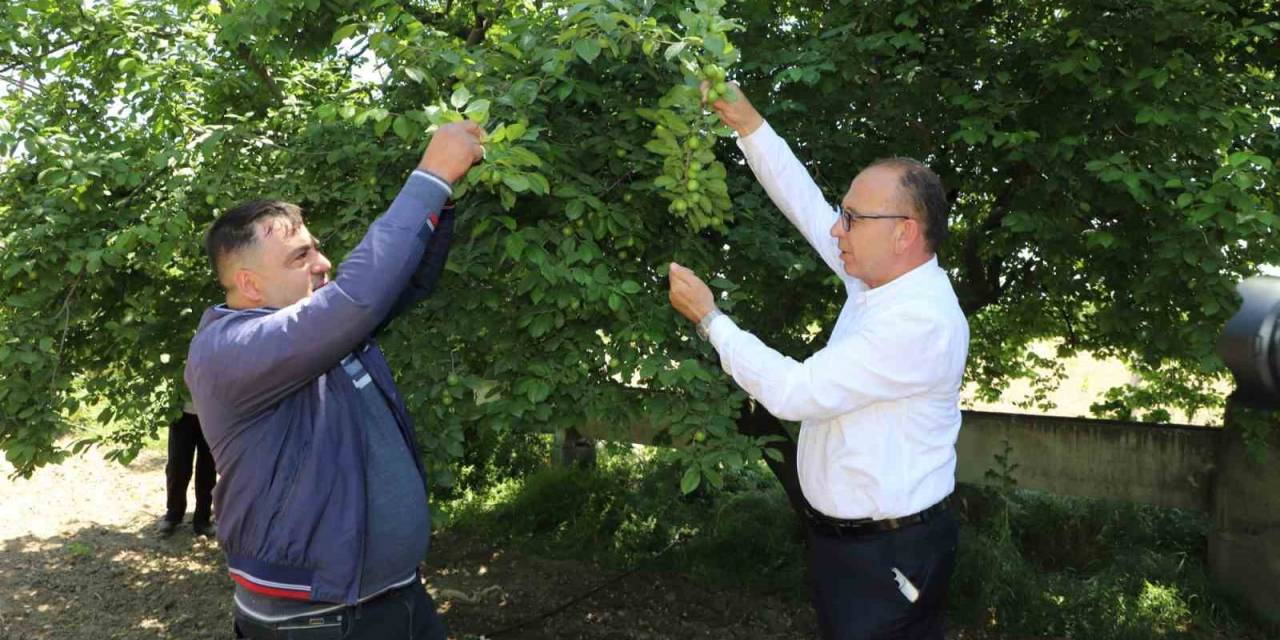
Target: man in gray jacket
(322,503)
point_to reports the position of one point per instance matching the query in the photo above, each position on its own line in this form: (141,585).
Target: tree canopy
(1112,167)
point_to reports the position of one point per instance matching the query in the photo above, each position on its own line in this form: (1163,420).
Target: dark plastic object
(1250,343)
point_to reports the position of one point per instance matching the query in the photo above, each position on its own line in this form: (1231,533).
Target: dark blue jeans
(407,613)
(854,591)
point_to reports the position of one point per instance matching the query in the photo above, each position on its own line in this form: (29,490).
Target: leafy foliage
(1113,169)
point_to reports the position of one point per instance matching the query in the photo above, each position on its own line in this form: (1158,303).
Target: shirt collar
(903,284)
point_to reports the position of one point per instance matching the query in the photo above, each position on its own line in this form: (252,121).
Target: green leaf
(715,43)
(478,111)
(343,32)
(460,97)
(692,478)
(515,246)
(538,184)
(661,147)
(403,128)
(516,182)
(587,49)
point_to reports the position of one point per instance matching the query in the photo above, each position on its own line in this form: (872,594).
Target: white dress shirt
(879,405)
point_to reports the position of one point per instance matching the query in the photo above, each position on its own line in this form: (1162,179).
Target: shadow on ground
(104,582)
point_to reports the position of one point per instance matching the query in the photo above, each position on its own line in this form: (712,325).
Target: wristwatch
(704,325)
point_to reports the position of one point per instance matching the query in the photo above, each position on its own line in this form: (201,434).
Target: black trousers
(854,592)
(186,442)
(854,588)
(407,613)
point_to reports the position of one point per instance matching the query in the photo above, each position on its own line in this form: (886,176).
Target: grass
(1028,564)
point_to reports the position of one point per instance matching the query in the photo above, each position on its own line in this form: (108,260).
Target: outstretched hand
(689,294)
(734,109)
(453,149)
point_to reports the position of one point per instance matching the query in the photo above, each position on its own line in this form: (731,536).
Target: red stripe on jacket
(270,591)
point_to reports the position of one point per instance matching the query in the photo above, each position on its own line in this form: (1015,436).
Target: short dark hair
(923,189)
(236,228)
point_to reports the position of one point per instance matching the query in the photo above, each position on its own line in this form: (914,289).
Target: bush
(1028,563)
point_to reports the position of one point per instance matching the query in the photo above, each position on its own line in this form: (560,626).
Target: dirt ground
(79,560)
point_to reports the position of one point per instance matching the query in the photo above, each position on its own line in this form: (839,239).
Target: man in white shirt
(879,404)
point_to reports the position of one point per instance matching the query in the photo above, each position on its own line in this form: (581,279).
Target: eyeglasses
(849,217)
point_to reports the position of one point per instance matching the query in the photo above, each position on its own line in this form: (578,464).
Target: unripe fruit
(566,232)
(621,153)
(692,144)
(722,88)
(210,200)
(679,204)
(626,197)
(693,184)
(453,379)
(446,400)
(694,170)
(699,436)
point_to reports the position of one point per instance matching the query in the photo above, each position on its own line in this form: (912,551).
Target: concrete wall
(1160,464)
(1165,465)
(1244,545)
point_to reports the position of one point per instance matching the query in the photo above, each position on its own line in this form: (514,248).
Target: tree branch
(983,285)
(245,55)
(482,24)
(20,84)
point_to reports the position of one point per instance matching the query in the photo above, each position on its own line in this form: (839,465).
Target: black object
(825,524)
(185,443)
(1250,343)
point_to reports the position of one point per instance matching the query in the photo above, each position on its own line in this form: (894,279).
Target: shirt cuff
(762,135)
(423,173)
(720,330)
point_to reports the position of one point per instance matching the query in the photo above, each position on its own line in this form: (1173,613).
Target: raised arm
(782,175)
(259,356)
(423,281)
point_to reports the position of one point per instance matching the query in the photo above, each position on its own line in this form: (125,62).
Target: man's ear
(906,233)
(246,283)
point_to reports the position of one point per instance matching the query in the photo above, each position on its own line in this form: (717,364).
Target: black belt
(837,527)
